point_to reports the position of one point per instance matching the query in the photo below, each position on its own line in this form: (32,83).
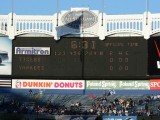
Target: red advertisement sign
(155,84)
(47,84)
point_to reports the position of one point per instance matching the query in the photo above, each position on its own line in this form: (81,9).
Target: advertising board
(155,84)
(5,56)
(118,84)
(154,56)
(47,84)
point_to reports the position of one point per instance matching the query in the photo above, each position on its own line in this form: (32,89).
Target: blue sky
(48,7)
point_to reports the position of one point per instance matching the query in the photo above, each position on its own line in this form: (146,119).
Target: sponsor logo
(37,84)
(79,19)
(155,84)
(118,84)
(18,84)
(48,84)
(32,50)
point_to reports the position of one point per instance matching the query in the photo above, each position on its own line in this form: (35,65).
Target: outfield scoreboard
(81,58)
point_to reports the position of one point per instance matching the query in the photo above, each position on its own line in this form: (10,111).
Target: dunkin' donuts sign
(47,84)
(79,19)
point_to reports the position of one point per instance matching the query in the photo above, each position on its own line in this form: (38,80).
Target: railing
(145,25)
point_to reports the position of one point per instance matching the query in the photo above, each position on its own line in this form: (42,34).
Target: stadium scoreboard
(79,58)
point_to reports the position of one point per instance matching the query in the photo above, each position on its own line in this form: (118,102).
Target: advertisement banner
(119,117)
(47,84)
(154,56)
(5,56)
(118,84)
(79,58)
(155,84)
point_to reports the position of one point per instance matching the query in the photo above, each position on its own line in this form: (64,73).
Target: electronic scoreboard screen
(79,58)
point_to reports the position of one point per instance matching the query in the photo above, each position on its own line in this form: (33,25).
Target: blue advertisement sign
(105,117)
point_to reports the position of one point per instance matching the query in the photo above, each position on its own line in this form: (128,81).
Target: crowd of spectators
(126,106)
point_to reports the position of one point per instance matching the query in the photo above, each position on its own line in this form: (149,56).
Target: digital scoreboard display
(79,58)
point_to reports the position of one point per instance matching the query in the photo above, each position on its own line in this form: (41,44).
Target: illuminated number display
(82,58)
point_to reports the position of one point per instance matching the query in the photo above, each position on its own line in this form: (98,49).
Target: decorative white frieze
(80,21)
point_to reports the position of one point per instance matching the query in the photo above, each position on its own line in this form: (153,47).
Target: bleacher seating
(86,103)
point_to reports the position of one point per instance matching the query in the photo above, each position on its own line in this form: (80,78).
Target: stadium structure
(78,64)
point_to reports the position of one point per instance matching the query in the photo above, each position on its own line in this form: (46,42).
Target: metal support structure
(57,10)
(12,6)
(147,9)
(102,11)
